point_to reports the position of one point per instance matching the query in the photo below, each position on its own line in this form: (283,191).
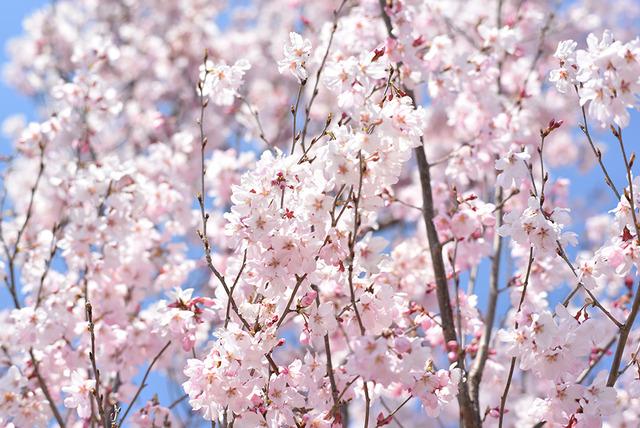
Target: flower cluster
(537,228)
(606,75)
(221,81)
(296,54)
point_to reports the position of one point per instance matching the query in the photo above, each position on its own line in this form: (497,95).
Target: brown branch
(503,202)
(622,342)
(45,390)
(367,405)
(634,359)
(53,248)
(344,390)
(256,116)
(470,412)
(314,93)
(392,414)
(594,300)
(178,401)
(327,351)
(29,213)
(598,154)
(629,196)
(287,309)
(99,398)
(142,384)
(205,216)
(477,369)
(294,113)
(11,255)
(505,393)
(595,362)
(352,242)
(468,408)
(233,287)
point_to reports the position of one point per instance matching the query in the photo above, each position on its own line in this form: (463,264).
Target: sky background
(12,12)
(589,195)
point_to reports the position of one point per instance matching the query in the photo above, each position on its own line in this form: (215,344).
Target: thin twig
(561,252)
(205,216)
(367,405)
(53,248)
(352,242)
(45,390)
(294,113)
(477,369)
(634,359)
(314,93)
(629,196)
(233,287)
(256,116)
(505,393)
(327,351)
(142,384)
(392,414)
(622,341)
(96,372)
(595,362)
(598,154)
(287,309)
(178,401)
(11,255)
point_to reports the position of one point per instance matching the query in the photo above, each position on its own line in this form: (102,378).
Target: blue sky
(12,12)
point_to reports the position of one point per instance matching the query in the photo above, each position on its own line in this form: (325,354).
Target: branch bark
(477,369)
(469,409)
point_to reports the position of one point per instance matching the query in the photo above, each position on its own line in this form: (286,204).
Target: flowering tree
(320,214)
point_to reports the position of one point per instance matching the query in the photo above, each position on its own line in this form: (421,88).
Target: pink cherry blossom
(79,393)
(296,54)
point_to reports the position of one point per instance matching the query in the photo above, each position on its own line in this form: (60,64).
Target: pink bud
(402,344)
(304,338)
(187,342)
(256,400)
(308,299)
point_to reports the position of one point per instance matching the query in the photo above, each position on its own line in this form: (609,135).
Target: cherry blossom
(222,80)
(512,168)
(79,394)
(296,53)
